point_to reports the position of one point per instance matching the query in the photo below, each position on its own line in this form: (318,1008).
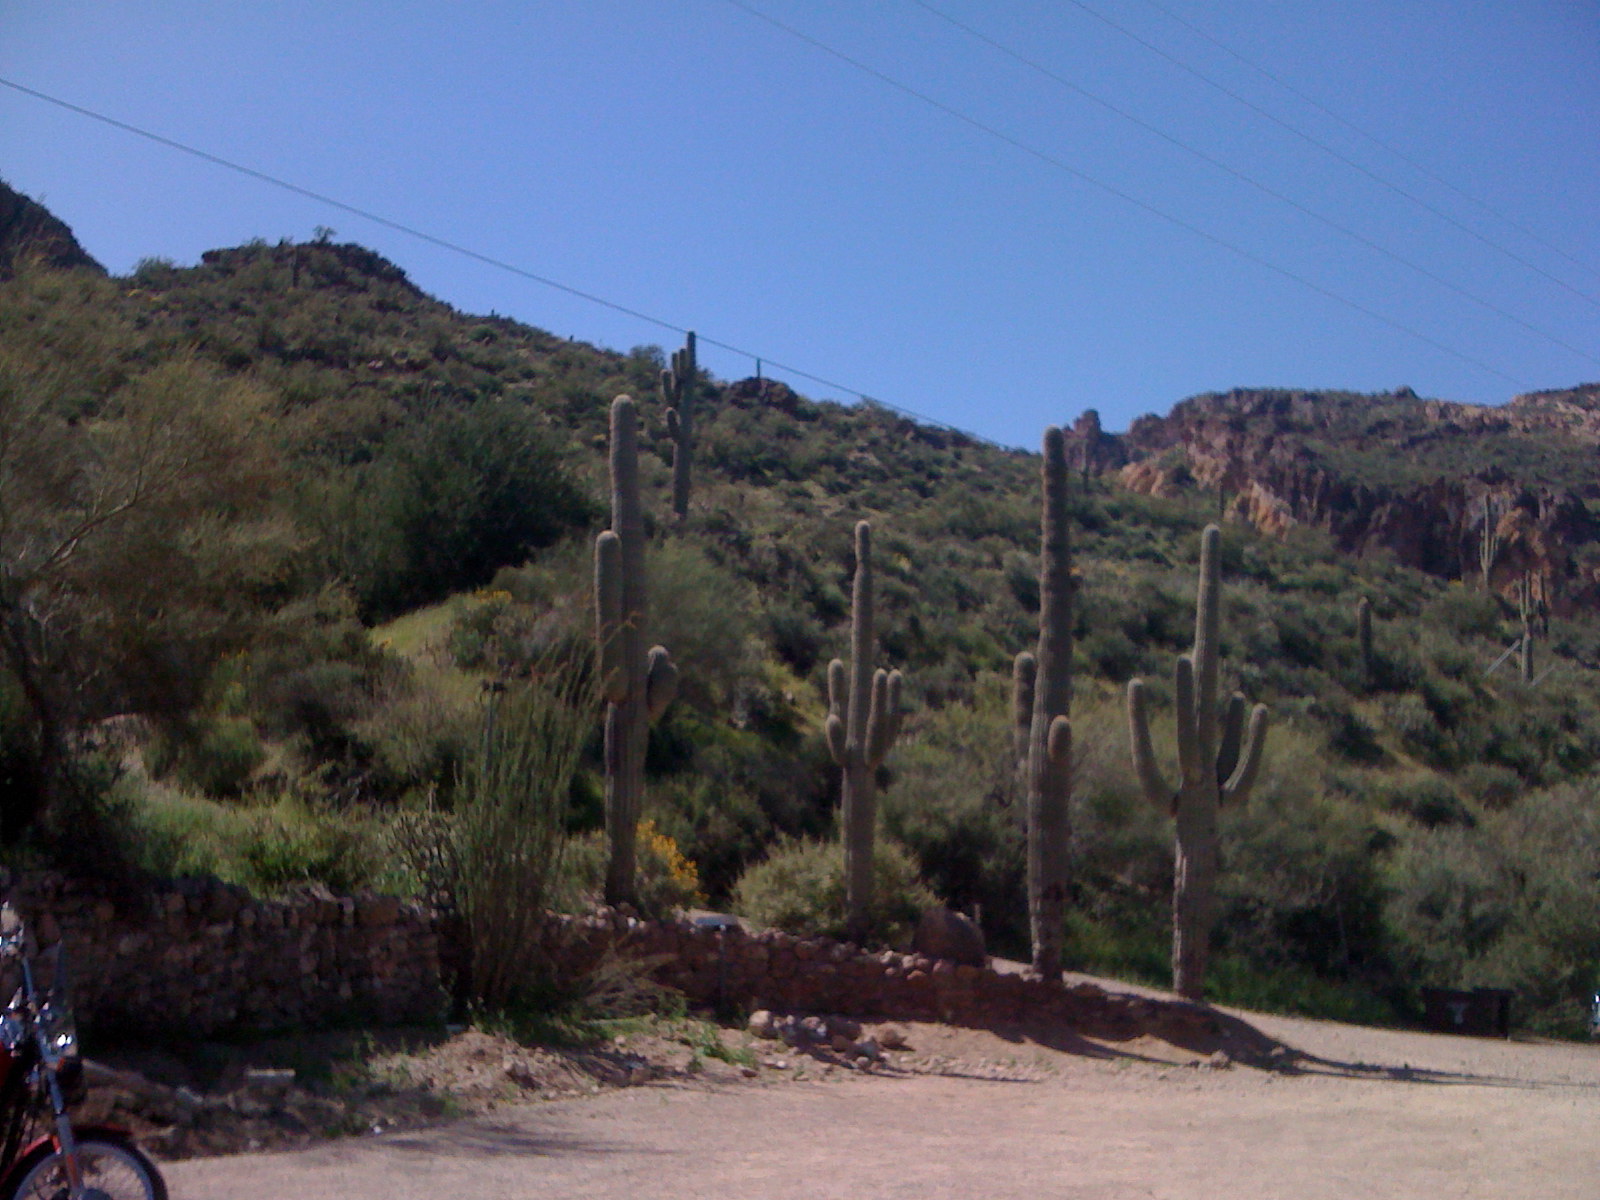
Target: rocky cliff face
(1445,487)
(29,233)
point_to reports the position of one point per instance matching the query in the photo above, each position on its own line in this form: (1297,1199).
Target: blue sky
(997,253)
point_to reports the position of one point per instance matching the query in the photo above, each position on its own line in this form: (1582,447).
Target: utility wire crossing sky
(994,216)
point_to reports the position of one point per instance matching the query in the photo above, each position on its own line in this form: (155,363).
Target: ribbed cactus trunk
(1043,691)
(638,683)
(1525,609)
(1217,764)
(863,723)
(677,391)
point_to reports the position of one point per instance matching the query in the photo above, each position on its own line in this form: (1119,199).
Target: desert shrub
(212,754)
(1426,798)
(1463,613)
(1299,888)
(799,888)
(954,804)
(290,844)
(665,880)
(265,848)
(1511,903)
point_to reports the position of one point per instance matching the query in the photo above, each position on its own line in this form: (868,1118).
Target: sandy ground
(1344,1112)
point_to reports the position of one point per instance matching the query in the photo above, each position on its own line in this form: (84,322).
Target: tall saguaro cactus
(638,684)
(1041,701)
(1217,762)
(863,723)
(1525,610)
(677,391)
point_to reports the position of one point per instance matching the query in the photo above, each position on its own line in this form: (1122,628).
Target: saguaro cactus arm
(660,681)
(1156,788)
(1024,672)
(1236,787)
(883,722)
(838,710)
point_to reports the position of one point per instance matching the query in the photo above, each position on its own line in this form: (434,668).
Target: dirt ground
(1278,1107)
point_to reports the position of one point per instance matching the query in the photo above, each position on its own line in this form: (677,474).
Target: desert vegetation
(299,566)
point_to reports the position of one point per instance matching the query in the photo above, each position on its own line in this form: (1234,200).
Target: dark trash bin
(1483,1012)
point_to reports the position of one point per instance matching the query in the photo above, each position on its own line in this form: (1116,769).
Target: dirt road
(1359,1113)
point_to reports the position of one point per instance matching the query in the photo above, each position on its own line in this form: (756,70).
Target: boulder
(942,933)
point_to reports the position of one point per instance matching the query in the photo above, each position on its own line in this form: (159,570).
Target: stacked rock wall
(735,970)
(200,957)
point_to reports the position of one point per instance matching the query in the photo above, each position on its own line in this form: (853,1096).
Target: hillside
(399,506)
(1421,479)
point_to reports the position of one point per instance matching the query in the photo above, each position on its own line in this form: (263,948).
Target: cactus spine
(677,391)
(1041,702)
(638,684)
(1213,771)
(863,723)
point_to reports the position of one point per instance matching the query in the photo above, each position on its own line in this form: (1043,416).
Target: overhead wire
(1410,161)
(1360,168)
(1263,188)
(1062,165)
(466,251)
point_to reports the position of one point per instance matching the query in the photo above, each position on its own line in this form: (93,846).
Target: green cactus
(1041,702)
(638,684)
(1213,771)
(1489,538)
(863,723)
(1525,610)
(677,391)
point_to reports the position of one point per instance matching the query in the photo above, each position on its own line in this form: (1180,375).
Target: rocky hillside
(31,233)
(1444,487)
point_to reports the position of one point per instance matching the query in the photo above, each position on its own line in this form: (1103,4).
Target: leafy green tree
(136,542)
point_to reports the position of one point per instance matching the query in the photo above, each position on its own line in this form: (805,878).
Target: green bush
(666,881)
(799,888)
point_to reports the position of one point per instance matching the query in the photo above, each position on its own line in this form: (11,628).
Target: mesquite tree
(677,392)
(863,722)
(638,684)
(1041,701)
(1217,763)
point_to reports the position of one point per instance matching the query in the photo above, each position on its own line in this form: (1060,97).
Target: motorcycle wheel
(112,1170)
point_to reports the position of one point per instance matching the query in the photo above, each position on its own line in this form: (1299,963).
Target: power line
(1127,197)
(1264,189)
(476,255)
(1411,162)
(1329,150)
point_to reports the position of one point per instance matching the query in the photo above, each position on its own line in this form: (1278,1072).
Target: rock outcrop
(1430,481)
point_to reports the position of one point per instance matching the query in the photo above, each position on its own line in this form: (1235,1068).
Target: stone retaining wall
(200,957)
(733,969)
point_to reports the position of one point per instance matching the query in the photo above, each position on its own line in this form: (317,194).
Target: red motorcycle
(44,1156)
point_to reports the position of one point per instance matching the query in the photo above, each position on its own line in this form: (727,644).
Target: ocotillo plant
(863,722)
(677,391)
(1212,772)
(1041,700)
(638,684)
